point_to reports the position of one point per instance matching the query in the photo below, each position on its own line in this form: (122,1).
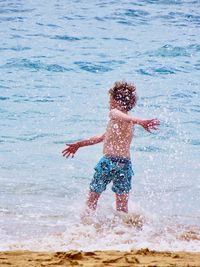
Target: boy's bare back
(118,137)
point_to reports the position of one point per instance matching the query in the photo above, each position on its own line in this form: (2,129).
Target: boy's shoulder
(115,113)
(118,114)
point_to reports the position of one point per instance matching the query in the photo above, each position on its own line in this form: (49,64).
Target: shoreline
(112,258)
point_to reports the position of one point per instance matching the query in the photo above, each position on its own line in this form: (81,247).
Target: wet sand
(142,258)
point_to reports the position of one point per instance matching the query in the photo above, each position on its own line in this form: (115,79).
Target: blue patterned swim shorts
(112,168)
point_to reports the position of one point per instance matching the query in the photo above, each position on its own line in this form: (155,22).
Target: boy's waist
(118,159)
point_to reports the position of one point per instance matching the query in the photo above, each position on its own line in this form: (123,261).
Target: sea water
(57,61)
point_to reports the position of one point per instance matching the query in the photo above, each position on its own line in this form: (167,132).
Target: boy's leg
(92,200)
(122,202)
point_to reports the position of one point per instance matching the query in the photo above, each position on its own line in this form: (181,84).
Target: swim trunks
(112,168)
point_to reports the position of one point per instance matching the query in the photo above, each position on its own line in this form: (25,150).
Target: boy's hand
(70,150)
(149,125)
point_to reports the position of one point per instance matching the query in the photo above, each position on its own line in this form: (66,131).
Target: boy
(115,165)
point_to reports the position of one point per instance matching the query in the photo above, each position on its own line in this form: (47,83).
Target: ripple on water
(20,98)
(7,19)
(158,71)
(169,51)
(175,51)
(33,137)
(6,10)
(102,66)
(122,39)
(2,98)
(71,38)
(181,95)
(195,19)
(17,63)
(48,25)
(197,66)
(15,48)
(136,13)
(66,38)
(127,17)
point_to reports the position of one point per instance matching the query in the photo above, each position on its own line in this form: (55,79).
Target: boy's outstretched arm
(72,148)
(148,125)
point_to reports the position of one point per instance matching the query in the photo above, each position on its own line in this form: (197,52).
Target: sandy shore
(142,258)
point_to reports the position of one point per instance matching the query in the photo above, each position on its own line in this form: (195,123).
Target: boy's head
(125,94)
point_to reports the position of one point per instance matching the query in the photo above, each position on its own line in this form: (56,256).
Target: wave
(118,231)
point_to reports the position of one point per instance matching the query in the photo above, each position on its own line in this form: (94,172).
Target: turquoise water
(57,61)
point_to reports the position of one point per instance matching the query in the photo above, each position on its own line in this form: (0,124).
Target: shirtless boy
(115,165)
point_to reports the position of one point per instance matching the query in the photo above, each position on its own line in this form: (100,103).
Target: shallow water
(57,61)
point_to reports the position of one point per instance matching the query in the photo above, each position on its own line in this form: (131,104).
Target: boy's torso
(118,138)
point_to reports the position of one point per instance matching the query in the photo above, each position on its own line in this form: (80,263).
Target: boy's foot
(87,217)
(132,219)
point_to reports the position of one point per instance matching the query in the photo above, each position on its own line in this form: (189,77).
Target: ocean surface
(57,61)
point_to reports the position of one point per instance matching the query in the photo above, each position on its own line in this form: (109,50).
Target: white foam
(108,229)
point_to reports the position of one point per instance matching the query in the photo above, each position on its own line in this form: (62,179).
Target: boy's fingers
(155,128)
(64,154)
(156,122)
(153,125)
(65,151)
(148,129)
(68,154)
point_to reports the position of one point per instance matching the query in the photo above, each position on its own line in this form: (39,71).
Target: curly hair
(125,94)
